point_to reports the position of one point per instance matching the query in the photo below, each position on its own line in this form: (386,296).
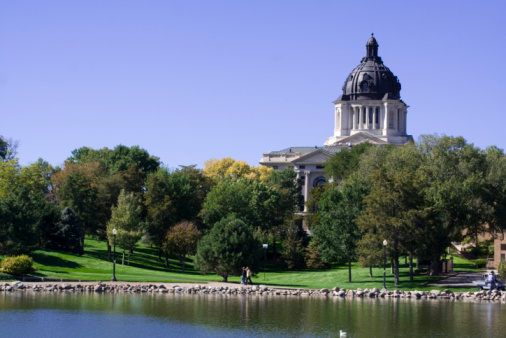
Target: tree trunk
(183,261)
(370,271)
(349,270)
(82,243)
(123,259)
(159,254)
(410,267)
(225,277)
(434,267)
(166,260)
(396,267)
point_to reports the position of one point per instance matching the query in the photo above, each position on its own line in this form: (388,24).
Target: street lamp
(384,263)
(265,257)
(114,256)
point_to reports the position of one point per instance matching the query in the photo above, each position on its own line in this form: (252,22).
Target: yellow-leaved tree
(227,167)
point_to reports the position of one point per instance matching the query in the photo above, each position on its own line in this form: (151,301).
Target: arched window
(320,180)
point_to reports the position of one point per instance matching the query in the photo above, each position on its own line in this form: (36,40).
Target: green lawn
(144,267)
(93,265)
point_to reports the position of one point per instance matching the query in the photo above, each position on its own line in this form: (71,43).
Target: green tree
(20,214)
(229,246)
(170,197)
(337,233)
(182,240)
(126,219)
(345,162)
(8,148)
(69,232)
(456,173)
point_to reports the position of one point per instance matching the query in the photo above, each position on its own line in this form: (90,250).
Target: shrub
(502,270)
(17,265)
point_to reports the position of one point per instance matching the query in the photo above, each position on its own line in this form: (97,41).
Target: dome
(371,79)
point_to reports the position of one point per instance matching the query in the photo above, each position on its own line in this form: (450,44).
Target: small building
(370,109)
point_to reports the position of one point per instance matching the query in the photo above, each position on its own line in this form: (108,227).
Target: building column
(367,112)
(361,117)
(307,183)
(374,118)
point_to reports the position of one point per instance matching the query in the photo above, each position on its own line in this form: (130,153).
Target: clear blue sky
(194,80)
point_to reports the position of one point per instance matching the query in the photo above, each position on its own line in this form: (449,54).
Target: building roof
(371,79)
(307,150)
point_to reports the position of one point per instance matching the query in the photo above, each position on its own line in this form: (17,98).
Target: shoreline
(221,288)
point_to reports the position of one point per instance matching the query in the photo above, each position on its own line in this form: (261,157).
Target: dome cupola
(371,79)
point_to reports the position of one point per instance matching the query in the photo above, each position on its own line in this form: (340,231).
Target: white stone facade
(385,120)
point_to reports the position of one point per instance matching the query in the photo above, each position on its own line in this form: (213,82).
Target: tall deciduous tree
(229,246)
(337,233)
(126,219)
(182,240)
(229,168)
(171,197)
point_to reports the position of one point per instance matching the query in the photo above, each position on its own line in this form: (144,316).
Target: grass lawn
(144,267)
(94,265)
(338,276)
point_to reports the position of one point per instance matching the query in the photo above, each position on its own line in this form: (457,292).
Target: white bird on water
(342,333)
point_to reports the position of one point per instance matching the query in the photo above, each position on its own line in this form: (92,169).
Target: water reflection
(87,314)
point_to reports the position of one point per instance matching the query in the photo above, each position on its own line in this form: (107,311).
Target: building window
(503,247)
(503,257)
(364,115)
(319,167)
(302,167)
(319,181)
(377,113)
(370,115)
(275,167)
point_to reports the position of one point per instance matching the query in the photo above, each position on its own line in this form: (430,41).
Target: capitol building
(370,109)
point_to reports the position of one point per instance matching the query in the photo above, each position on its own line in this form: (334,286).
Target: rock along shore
(255,290)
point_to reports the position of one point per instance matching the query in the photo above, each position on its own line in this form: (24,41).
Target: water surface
(158,315)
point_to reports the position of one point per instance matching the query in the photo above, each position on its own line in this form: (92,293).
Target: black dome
(371,79)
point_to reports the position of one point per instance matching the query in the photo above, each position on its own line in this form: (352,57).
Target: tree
(126,219)
(171,197)
(118,159)
(312,207)
(20,212)
(456,173)
(293,251)
(229,246)
(69,232)
(345,162)
(8,148)
(229,168)
(182,240)
(337,233)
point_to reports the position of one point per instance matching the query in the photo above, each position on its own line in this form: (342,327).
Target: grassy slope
(144,267)
(93,265)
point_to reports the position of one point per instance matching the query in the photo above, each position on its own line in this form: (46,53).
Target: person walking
(248,276)
(243,276)
(491,281)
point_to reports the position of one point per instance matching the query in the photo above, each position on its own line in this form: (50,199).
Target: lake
(158,315)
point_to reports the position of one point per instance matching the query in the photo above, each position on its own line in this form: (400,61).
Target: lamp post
(265,257)
(384,263)
(114,256)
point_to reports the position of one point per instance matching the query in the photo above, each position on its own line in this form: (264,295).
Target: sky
(194,80)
